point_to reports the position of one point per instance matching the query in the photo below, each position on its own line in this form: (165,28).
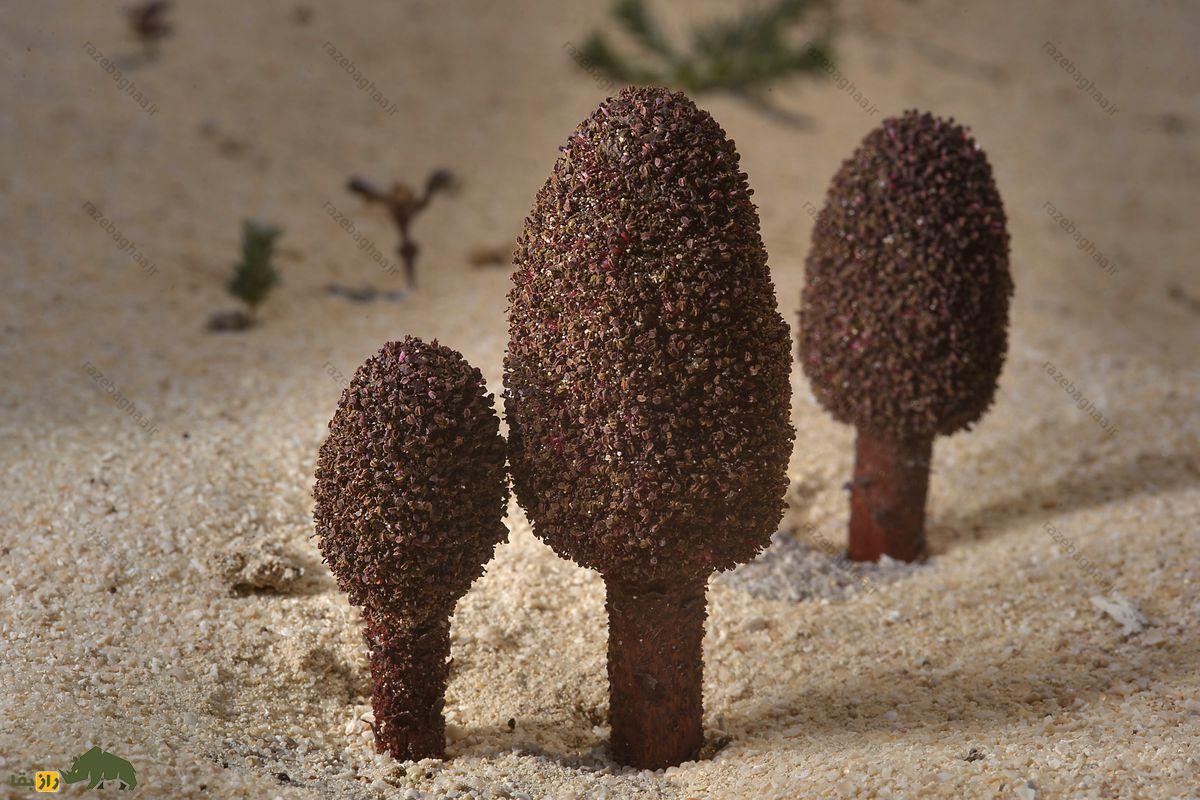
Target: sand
(161,597)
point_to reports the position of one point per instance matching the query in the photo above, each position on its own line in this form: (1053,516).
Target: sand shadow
(1143,473)
(991,694)
(316,580)
(539,738)
(589,756)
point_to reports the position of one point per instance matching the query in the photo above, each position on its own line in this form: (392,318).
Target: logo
(99,768)
(47,781)
(43,781)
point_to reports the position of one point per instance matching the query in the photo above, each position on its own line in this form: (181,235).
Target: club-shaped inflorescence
(410,496)
(904,313)
(647,392)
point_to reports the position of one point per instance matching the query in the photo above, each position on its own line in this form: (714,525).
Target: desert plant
(410,496)
(404,204)
(741,55)
(647,392)
(255,276)
(904,314)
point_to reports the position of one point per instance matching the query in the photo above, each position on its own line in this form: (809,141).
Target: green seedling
(253,277)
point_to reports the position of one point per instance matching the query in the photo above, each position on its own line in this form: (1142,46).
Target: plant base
(655,672)
(887,498)
(409,668)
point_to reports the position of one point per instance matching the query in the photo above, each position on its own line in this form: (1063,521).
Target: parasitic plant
(647,392)
(410,497)
(904,314)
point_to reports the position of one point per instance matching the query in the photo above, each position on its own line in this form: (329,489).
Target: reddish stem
(655,672)
(409,667)
(887,497)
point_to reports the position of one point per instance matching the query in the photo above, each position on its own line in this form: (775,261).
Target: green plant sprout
(740,55)
(253,278)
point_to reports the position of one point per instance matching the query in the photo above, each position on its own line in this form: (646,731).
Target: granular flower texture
(647,387)
(904,310)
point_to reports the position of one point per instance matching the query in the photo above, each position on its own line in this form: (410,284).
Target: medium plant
(647,392)
(742,55)
(404,204)
(904,314)
(410,496)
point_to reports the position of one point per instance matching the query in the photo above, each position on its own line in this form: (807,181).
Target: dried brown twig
(404,204)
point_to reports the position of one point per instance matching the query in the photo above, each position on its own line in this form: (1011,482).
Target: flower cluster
(905,303)
(411,487)
(647,374)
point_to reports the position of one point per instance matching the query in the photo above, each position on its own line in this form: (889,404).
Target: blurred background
(258,114)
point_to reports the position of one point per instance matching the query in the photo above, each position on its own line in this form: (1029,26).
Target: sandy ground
(991,671)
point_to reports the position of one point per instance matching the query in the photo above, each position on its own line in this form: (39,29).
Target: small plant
(147,20)
(904,314)
(741,55)
(404,204)
(647,392)
(410,494)
(253,277)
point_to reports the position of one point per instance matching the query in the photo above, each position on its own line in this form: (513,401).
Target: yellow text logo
(48,781)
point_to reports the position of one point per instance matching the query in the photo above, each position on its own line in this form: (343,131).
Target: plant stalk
(655,672)
(409,669)
(887,497)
